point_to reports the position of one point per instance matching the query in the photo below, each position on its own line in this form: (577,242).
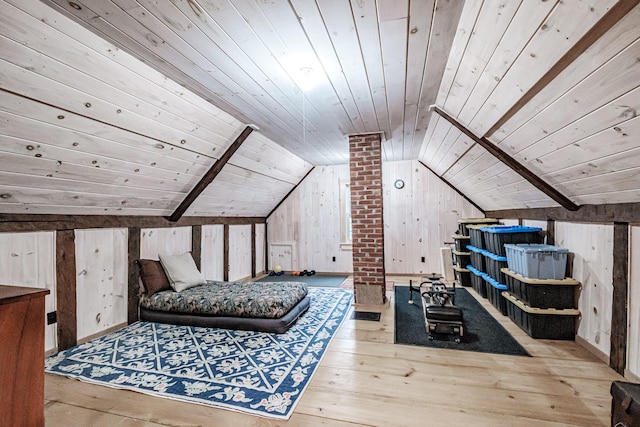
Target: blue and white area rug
(253,372)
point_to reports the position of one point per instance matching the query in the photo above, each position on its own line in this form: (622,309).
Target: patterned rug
(348,284)
(251,372)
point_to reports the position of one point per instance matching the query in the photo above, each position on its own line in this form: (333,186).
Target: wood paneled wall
(29,259)
(98,280)
(213,252)
(592,246)
(418,219)
(101,280)
(164,241)
(239,252)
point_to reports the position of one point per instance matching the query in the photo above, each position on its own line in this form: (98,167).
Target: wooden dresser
(22,314)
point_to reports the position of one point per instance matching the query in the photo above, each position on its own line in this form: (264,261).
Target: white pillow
(182,271)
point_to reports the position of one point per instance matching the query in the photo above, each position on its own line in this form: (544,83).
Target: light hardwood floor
(367,380)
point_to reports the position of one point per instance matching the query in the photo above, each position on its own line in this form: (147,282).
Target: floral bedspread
(270,300)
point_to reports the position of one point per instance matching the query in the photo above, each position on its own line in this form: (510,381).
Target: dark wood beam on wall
(608,20)
(620,304)
(516,166)
(599,214)
(453,187)
(225,254)
(196,245)
(253,250)
(134,275)
(43,222)
(210,175)
(551,232)
(66,289)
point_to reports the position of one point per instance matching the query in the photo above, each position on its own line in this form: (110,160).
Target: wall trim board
(253,250)
(211,174)
(453,187)
(225,252)
(606,214)
(43,222)
(619,311)
(196,245)
(604,358)
(66,300)
(133,297)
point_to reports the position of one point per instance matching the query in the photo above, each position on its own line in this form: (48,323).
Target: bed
(268,307)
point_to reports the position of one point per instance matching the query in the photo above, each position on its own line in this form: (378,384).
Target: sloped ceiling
(121,106)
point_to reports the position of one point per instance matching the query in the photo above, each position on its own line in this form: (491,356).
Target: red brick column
(365,163)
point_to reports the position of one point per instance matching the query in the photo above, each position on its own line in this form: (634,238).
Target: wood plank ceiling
(125,112)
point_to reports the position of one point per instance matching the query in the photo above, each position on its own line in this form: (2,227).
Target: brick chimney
(367,226)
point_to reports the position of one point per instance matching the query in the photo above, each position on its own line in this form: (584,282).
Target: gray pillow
(182,271)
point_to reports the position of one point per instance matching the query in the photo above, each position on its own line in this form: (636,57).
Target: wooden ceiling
(121,106)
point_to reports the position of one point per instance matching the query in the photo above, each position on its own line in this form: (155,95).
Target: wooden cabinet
(22,356)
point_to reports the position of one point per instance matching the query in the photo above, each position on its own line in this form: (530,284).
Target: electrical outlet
(422,259)
(51,318)
(334,259)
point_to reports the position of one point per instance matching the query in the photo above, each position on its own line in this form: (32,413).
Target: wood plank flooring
(367,380)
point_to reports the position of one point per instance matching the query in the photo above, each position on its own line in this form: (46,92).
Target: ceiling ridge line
(515,165)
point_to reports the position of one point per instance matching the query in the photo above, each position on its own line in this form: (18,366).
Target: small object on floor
(307,273)
(295,273)
(366,315)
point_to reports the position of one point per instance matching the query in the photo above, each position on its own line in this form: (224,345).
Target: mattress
(263,306)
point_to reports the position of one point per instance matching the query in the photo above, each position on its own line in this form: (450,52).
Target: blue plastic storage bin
(494,293)
(477,258)
(537,261)
(494,264)
(496,237)
(477,281)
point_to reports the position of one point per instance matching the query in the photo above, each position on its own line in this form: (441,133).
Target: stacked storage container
(540,299)
(494,239)
(463,253)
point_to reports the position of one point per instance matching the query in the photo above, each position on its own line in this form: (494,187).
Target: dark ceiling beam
(516,166)
(44,222)
(454,188)
(599,214)
(210,175)
(608,20)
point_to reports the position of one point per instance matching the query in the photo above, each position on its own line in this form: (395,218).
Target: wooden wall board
(85,131)
(163,93)
(29,260)
(418,219)
(565,24)
(582,85)
(588,242)
(212,252)
(446,17)
(165,241)
(260,245)
(239,252)
(102,280)
(490,25)
(339,23)
(526,21)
